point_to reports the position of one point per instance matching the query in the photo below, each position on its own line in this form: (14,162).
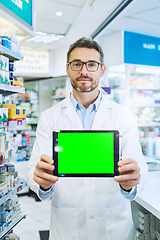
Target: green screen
(86,153)
(22,8)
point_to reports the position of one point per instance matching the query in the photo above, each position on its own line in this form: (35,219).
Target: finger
(44,165)
(127,177)
(132,167)
(126,161)
(46,158)
(45,175)
(43,182)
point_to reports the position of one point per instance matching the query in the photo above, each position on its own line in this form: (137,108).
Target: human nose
(84,68)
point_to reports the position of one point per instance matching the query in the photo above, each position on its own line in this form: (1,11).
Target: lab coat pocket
(119,224)
(64,224)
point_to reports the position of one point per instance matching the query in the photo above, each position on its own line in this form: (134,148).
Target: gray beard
(90,89)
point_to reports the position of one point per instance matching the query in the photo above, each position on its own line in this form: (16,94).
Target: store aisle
(37,218)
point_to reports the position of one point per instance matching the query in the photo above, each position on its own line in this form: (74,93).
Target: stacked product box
(148,226)
(4,70)
(9,39)
(3,112)
(7,72)
(7,146)
(13,113)
(8,212)
(8,180)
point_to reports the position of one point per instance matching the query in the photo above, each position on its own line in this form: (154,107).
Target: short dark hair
(85,43)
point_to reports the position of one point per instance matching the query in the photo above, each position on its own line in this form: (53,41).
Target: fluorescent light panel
(44,38)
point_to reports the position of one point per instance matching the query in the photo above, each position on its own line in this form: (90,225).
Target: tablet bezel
(116,154)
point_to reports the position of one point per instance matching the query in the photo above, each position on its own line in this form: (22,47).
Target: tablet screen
(86,153)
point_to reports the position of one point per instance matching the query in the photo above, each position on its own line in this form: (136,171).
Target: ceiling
(141,16)
(84,17)
(80,18)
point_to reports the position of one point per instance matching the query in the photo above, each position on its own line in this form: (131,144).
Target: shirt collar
(95,104)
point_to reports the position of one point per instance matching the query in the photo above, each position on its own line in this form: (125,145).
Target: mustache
(84,77)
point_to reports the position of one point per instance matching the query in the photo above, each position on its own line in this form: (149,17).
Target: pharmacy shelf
(7,196)
(20,155)
(31,121)
(14,222)
(13,123)
(143,106)
(10,54)
(58,97)
(8,89)
(144,89)
(150,124)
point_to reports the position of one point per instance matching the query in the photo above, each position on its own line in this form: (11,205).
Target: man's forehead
(84,54)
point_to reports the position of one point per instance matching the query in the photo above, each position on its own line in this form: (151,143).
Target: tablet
(86,153)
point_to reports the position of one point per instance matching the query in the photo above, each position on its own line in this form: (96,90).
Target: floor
(37,218)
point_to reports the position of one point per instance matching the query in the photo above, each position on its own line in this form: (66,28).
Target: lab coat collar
(101,116)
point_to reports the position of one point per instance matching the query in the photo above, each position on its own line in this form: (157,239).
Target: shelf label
(141,49)
(21,8)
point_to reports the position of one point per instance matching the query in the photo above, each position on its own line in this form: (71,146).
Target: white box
(4,63)
(143,228)
(144,214)
(3,114)
(4,77)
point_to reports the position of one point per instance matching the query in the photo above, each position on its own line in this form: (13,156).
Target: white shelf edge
(15,221)
(13,123)
(144,89)
(10,54)
(148,124)
(8,89)
(153,105)
(9,194)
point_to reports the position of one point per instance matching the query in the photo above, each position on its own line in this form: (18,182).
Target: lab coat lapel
(102,118)
(71,114)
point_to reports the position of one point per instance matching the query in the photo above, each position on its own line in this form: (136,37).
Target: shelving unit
(8,90)
(10,54)
(17,219)
(141,93)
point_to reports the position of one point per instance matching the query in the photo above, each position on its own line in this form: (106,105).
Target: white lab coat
(89,208)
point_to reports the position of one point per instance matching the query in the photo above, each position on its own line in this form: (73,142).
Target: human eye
(92,64)
(76,64)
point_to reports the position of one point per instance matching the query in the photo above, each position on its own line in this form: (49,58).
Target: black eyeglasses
(91,66)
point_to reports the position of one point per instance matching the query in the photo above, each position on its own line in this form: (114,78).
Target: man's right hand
(43,174)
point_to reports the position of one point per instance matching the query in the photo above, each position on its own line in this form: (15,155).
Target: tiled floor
(37,218)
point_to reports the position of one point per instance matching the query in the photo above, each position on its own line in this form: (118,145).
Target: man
(88,208)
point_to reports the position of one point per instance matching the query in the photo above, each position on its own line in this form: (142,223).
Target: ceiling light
(59,13)
(44,38)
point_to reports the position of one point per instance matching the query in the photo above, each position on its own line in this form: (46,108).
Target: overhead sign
(33,63)
(21,8)
(141,49)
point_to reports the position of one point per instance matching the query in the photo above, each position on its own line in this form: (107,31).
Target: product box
(5,177)
(3,189)
(4,77)
(0,100)
(144,221)
(3,114)
(157,235)
(143,228)
(140,236)
(4,63)
(144,214)
(18,81)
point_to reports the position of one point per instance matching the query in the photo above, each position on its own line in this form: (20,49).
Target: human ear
(67,70)
(103,68)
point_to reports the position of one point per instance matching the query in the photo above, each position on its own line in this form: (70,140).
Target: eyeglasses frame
(69,63)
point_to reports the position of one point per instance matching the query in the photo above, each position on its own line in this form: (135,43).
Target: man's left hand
(129,174)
